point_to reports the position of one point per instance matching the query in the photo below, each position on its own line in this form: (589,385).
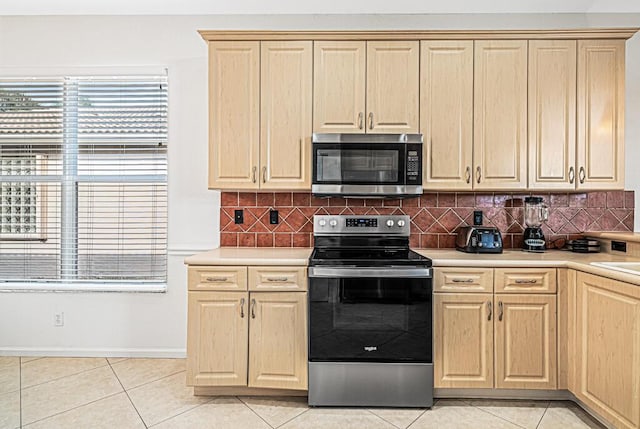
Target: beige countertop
(518,258)
(251,256)
(620,236)
(440,258)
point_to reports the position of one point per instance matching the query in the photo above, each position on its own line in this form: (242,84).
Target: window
(83,183)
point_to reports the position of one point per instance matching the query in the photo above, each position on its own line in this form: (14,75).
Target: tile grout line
(383,419)
(74,408)
(152,381)
(293,418)
(416,419)
(251,409)
(59,378)
(127,393)
(497,416)
(543,414)
(181,413)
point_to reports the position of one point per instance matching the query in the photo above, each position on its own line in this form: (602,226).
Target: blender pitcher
(535,213)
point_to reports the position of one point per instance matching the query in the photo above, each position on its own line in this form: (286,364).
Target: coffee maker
(535,212)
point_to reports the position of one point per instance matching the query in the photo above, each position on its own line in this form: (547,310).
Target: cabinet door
(285,118)
(278,340)
(217,340)
(608,348)
(600,114)
(393,87)
(552,114)
(234,114)
(463,340)
(446,113)
(500,114)
(339,87)
(525,330)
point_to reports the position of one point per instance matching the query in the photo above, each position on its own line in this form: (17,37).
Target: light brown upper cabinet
(600,114)
(339,87)
(552,114)
(285,115)
(446,113)
(500,114)
(234,114)
(366,86)
(260,121)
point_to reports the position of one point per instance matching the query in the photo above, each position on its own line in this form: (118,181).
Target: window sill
(83,287)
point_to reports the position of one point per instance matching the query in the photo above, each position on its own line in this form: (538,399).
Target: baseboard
(93,352)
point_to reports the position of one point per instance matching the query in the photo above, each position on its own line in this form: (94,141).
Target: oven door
(374,316)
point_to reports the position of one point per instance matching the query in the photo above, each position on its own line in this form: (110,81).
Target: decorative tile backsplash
(435,217)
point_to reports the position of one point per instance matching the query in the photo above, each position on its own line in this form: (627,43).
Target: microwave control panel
(414,164)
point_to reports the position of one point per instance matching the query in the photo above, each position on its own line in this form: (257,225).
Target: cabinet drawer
(525,280)
(463,280)
(218,278)
(278,278)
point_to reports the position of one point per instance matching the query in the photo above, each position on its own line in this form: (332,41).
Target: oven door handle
(393,272)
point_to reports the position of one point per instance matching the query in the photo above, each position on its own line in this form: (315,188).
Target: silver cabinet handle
(582,175)
(478,174)
(360,120)
(490,305)
(217,279)
(526,282)
(242,308)
(277,279)
(264,174)
(253,308)
(468,174)
(255,169)
(463,280)
(500,311)
(572,174)
(370,120)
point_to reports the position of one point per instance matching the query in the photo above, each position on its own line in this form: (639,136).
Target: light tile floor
(50,393)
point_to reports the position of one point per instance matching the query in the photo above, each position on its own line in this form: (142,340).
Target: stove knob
(322,222)
(390,223)
(333,223)
(401,223)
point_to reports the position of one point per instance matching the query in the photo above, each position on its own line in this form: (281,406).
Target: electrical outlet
(58,319)
(238,217)
(273,217)
(477,217)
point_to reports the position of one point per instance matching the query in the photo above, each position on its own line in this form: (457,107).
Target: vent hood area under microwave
(367,165)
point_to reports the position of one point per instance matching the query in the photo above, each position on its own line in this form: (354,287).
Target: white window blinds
(83,182)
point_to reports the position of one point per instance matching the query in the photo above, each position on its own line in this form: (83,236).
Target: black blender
(535,212)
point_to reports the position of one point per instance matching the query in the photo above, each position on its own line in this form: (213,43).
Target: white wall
(155,324)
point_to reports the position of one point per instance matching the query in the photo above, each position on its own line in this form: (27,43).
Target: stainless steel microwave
(367,165)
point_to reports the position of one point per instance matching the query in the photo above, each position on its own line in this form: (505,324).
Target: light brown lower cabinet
(247,326)
(463,333)
(525,341)
(495,340)
(256,339)
(475,333)
(607,348)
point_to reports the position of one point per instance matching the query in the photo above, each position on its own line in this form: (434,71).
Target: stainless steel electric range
(370,315)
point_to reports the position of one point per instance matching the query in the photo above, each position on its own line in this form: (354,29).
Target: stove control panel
(363,225)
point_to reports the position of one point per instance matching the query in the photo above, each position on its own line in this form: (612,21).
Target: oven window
(370,320)
(357,165)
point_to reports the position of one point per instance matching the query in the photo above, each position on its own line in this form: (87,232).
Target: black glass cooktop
(366,257)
